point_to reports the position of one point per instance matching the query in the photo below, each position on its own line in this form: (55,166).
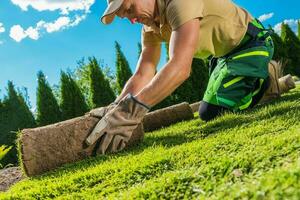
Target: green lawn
(250,155)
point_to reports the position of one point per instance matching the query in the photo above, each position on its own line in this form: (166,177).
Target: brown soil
(9,177)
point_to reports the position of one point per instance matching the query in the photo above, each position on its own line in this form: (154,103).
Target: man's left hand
(116,127)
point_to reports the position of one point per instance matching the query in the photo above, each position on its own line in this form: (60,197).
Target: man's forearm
(134,85)
(163,84)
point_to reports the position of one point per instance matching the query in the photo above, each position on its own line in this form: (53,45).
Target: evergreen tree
(293,50)
(101,93)
(280,51)
(111,77)
(26,112)
(14,116)
(299,29)
(199,79)
(21,114)
(48,111)
(56,92)
(184,93)
(82,76)
(72,100)
(123,69)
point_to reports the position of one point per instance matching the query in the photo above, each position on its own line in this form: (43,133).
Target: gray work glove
(116,127)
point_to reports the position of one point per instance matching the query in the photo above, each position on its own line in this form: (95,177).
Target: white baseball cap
(110,12)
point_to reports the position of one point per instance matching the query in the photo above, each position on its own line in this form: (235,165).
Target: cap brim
(110,12)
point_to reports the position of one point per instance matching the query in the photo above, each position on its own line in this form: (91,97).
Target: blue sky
(52,35)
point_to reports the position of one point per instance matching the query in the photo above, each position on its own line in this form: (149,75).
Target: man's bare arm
(183,45)
(146,69)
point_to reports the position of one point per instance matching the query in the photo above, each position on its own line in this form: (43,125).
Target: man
(241,49)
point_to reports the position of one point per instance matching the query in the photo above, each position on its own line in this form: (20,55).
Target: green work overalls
(239,76)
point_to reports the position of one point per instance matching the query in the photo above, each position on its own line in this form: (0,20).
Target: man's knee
(209,111)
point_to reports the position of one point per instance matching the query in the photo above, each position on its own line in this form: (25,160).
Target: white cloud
(32,33)
(18,33)
(293,23)
(59,24)
(265,17)
(2,29)
(67,17)
(65,6)
(77,20)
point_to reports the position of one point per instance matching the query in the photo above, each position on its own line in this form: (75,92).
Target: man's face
(141,11)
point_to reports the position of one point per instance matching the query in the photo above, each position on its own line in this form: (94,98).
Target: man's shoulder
(178,12)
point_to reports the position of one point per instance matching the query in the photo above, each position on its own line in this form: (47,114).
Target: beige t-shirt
(222,26)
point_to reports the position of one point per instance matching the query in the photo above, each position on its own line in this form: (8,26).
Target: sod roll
(195,106)
(167,116)
(46,148)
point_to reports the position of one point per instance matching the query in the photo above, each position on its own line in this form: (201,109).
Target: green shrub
(3,151)
(296,78)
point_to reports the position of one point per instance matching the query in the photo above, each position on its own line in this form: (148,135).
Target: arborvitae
(82,78)
(199,79)
(4,122)
(48,111)
(299,29)
(184,93)
(123,69)
(72,100)
(15,116)
(293,50)
(30,121)
(20,114)
(101,94)
(110,76)
(280,51)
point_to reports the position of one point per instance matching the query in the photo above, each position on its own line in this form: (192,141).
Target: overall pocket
(251,62)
